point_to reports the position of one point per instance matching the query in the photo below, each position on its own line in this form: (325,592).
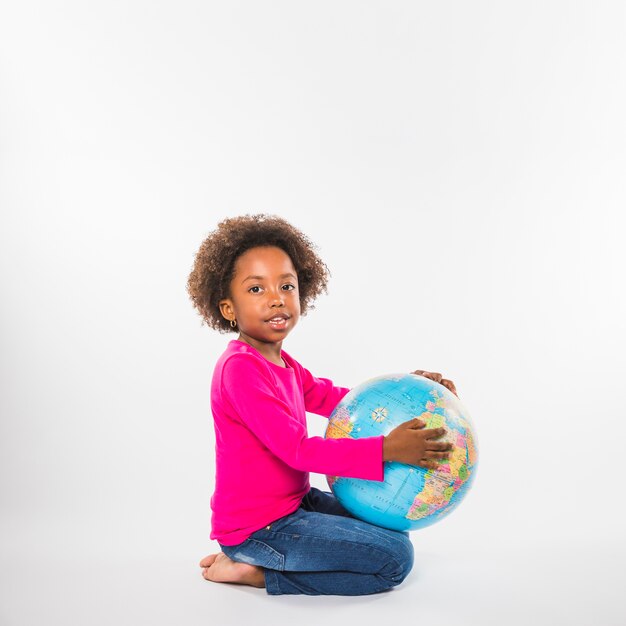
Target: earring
(233,323)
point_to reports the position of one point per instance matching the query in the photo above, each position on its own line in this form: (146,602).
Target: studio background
(460,167)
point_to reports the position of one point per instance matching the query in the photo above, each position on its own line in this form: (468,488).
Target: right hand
(413,444)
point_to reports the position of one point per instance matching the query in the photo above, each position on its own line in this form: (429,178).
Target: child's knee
(402,562)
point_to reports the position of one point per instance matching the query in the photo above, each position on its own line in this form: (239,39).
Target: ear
(226,308)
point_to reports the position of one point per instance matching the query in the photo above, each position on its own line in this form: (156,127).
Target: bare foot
(220,569)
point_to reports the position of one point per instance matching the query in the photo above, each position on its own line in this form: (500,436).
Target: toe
(207,561)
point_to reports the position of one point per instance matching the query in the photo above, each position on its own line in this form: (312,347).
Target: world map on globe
(410,497)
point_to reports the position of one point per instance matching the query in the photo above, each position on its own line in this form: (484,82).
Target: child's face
(264,285)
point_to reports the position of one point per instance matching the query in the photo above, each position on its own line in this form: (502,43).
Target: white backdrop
(460,167)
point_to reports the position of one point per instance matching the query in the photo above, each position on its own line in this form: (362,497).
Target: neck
(271,351)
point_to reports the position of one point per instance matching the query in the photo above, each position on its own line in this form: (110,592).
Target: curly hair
(214,264)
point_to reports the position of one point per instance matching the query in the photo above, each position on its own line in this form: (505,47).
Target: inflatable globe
(410,497)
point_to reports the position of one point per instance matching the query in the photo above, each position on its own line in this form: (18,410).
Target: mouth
(278,321)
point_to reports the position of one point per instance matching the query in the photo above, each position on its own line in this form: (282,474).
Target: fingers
(449,385)
(433,465)
(439,445)
(429,433)
(432,460)
(441,452)
(429,454)
(438,378)
(416,422)
(433,433)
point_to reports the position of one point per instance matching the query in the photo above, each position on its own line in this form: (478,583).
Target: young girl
(256,275)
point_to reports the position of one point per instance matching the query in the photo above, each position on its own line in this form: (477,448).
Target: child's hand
(411,443)
(436,376)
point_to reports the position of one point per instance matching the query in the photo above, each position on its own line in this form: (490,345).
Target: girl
(256,275)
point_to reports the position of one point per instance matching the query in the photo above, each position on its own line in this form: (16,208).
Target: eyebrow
(262,277)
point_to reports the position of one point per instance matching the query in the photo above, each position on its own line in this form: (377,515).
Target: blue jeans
(321,549)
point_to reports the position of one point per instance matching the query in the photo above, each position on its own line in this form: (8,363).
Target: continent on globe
(410,497)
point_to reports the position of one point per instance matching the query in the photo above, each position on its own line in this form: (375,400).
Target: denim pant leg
(321,549)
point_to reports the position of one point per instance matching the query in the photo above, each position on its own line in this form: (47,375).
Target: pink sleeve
(320,395)
(248,387)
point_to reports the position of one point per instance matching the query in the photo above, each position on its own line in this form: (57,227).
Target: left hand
(437,377)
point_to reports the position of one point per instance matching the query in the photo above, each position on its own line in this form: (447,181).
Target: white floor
(485,582)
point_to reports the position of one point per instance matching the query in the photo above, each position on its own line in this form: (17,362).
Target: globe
(410,497)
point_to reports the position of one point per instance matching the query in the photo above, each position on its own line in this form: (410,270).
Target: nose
(276,299)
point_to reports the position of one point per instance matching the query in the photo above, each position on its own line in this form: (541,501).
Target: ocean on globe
(410,497)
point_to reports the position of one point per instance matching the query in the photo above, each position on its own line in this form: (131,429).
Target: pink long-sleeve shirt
(263,451)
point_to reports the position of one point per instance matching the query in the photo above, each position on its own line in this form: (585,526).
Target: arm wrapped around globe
(423,414)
